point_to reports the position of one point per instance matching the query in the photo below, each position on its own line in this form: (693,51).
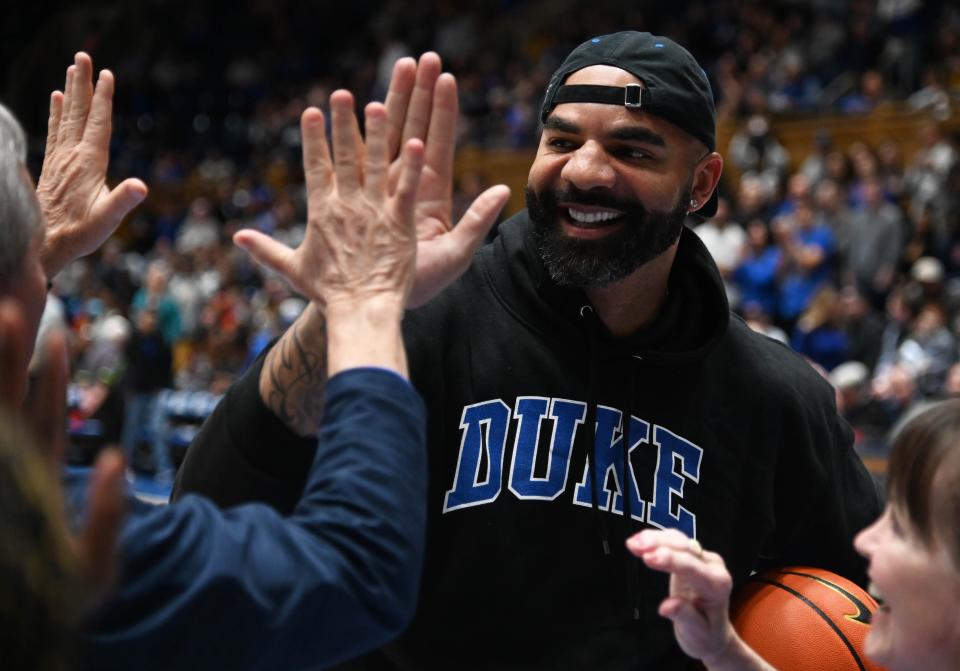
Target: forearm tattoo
(294,374)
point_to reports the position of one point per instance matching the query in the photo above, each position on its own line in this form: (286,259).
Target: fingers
(398,98)
(317,170)
(268,252)
(13,357)
(441,138)
(377,160)
(100,120)
(106,505)
(672,552)
(651,539)
(53,124)
(346,152)
(406,195)
(67,104)
(418,111)
(79,96)
(473,227)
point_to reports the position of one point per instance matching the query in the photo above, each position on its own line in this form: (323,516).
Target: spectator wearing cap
(856,404)
(928,282)
(595,303)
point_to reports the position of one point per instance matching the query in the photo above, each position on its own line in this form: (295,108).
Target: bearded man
(586,380)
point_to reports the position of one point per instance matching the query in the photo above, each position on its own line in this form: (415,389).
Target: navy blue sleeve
(248,589)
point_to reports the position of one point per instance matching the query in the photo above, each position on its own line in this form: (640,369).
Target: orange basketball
(800,618)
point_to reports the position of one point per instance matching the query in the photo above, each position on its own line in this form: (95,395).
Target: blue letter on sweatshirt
(470,488)
(567,417)
(609,454)
(669,483)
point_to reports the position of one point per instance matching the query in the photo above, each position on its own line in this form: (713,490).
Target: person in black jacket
(585,380)
(148,371)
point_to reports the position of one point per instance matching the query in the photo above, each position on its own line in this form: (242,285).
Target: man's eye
(634,154)
(560,143)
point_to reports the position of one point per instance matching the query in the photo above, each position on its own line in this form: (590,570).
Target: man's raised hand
(422,103)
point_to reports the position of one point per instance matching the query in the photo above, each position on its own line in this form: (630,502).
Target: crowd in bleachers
(854,263)
(851,255)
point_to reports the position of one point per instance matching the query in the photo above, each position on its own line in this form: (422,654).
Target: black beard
(583,264)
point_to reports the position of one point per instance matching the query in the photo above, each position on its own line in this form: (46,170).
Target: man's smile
(587,221)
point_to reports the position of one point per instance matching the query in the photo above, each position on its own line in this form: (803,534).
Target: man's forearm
(294,373)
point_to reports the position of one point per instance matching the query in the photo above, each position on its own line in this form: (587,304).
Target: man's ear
(706,176)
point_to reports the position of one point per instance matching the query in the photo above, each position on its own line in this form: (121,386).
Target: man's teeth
(591,217)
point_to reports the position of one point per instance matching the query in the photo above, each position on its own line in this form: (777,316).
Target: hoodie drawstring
(590,426)
(632,565)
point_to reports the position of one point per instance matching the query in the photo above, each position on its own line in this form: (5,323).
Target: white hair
(20,217)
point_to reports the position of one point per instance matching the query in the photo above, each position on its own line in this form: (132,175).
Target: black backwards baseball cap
(675,87)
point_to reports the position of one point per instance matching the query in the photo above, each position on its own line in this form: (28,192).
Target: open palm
(422,104)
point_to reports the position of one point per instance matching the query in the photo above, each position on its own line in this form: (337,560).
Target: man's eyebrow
(639,134)
(558,123)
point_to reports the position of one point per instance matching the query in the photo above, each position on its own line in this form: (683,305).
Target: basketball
(805,619)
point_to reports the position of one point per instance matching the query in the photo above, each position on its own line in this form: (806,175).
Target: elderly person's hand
(81,211)
(360,242)
(358,256)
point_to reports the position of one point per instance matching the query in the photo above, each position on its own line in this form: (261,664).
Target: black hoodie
(734,439)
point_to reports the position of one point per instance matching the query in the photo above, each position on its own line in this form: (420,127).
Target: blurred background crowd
(845,248)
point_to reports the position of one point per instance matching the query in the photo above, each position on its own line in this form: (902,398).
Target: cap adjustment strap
(631,95)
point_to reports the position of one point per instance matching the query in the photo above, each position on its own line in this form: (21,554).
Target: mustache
(573,195)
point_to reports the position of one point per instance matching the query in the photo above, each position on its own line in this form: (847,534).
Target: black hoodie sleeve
(824,493)
(244,452)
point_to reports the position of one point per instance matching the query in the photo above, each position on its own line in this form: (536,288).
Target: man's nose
(589,167)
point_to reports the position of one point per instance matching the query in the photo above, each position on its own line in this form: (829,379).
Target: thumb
(473,227)
(106,506)
(124,197)
(683,614)
(266,251)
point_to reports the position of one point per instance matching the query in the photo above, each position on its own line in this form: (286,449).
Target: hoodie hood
(693,319)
